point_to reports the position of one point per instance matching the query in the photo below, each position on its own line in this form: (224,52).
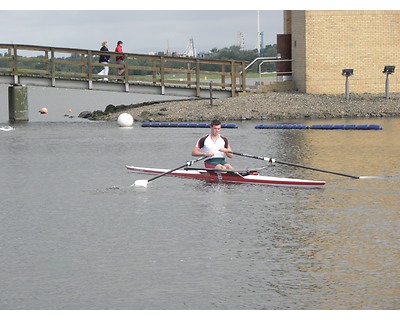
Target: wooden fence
(55,63)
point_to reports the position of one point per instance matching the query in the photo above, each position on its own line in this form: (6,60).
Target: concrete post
(211,97)
(347,91)
(18,103)
(387,86)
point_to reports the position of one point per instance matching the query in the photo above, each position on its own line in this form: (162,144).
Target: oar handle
(250,156)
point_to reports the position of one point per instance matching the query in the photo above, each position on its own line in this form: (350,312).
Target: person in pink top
(120,59)
(215,147)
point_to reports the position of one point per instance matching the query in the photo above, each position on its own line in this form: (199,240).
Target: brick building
(322,43)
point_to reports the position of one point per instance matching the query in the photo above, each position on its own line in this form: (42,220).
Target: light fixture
(389,69)
(347,72)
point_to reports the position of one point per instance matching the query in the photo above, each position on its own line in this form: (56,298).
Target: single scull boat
(241,176)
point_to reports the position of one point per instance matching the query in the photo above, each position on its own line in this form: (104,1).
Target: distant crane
(260,37)
(241,40)
(190,49)
(168,52)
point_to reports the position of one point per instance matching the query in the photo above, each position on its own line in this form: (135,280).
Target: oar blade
(376,177)
(141,183)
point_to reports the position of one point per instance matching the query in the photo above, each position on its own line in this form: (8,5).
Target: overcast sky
(75,24)
(142,31)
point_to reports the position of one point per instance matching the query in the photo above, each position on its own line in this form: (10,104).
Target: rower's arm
(197,152)
(226,151)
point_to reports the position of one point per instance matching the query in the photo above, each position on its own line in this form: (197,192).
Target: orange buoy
(69,110)
(43,110)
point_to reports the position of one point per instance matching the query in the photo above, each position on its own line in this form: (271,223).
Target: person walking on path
(104,59)
(215,147)
(120,59)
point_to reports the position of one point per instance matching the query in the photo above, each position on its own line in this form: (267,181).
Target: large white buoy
(125,120)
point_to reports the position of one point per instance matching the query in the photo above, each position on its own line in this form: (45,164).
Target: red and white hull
(232,177)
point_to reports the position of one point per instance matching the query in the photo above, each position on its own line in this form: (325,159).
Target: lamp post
(347,73)
(388,70)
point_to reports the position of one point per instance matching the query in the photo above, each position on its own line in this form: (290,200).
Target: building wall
(299,59)
(325,42)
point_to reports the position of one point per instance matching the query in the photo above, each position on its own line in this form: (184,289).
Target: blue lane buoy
(281,126)
(346,127)
(185,125)
(375,127)
(229,125)
(319,126)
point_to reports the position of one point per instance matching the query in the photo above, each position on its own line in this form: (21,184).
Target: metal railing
(279,63)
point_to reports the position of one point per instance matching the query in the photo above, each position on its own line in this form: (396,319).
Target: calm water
(75,233)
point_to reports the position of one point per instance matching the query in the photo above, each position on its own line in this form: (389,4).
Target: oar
(294,165)
(143,183)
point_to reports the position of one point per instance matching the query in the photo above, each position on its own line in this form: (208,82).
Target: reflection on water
(77,234)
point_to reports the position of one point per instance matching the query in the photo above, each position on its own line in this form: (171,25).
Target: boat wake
(112,189)
(7,128)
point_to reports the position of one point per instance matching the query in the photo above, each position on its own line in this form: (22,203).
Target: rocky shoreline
(261,106)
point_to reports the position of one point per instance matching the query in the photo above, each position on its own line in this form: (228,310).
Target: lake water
(75,233)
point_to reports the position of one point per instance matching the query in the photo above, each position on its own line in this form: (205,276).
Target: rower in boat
(215,147)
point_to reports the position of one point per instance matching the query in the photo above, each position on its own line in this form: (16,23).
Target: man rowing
(215,147)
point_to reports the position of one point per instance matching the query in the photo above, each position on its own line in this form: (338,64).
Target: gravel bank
(261,106)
